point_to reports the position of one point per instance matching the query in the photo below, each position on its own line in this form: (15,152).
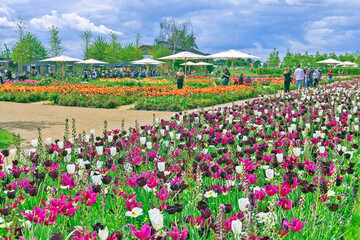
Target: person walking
(299,75)
(309,81)
(180,78)
(1,75)
(226,77)
(330,74)
(316,76)
(287,80)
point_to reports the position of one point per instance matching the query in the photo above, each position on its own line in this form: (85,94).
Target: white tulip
(143,140)
(161,166)
(297,151)
(280,157)
(171,135)
(100,150)
(307,125)
(166,143)
(12,151)
(96,179)
(60,144)
(162,131)
(113,151)
(110,138)
(356,127)
(236,226)
(48,141)
(178,136)
(269,173)
(87,138)
(70,168)
(239,169)
(244,204)
(104,234)
(34,142)
(92,132)
(321,149)
(156,219)
(149,145)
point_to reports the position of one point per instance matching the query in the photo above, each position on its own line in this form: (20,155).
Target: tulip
(149,145)
(70,168)
(144,233)
(34,142)
(321,149)
(143,140)
(100,150)
(295,225)
(269,174)
(244,204)
(103,233)
(92,132)
(113,151)
(297,151)
(239,169)
(110,138)
(48,141)
(236,226)
(279,157)
(96,179)
(210,193)
(60,144)
(161,166)
(156,218)
(284,203)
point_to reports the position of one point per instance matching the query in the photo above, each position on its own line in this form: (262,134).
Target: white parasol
(147,62)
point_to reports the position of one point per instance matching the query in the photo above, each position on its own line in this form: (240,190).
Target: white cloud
(5,10)
(5,22)
(9,2)
(69,20)
(269,1)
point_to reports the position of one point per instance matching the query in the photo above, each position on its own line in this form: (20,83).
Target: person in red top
(248,81)
(330,74)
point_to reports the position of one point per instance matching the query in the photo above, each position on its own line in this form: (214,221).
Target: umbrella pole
(185,74)
(232,68)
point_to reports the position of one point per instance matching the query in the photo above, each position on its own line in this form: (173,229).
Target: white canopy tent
(348,64)
(329,61)
(147,62)
(91,62)
(61,59)
(184,56)
(232,55)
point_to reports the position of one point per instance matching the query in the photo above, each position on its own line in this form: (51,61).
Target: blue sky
(253,26)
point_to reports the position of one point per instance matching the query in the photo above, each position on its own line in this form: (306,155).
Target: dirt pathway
(26,118)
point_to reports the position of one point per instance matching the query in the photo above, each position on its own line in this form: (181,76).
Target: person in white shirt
(299,75)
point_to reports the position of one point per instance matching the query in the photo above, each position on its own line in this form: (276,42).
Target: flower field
(278,168)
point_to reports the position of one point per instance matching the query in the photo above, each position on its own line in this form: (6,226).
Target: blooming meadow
(274,168)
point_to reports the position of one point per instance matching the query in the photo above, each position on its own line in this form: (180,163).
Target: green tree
(55,42)
(274,59)
(113,51)
(257,63)
(29,48)
(97,49)
(86,37)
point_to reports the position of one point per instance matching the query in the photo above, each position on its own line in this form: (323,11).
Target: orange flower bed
(196,91)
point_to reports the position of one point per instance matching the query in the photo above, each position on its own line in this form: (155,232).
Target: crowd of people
(306,78)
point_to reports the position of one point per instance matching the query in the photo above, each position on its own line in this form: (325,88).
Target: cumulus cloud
(5,22)
(69,20)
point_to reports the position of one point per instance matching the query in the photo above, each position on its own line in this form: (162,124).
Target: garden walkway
(26,118)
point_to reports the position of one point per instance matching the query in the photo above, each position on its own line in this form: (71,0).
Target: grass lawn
(353,229)
(6,138)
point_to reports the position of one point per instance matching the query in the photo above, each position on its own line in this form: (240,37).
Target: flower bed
(273,168)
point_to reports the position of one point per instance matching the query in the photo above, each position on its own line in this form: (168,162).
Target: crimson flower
(295,224)
(144,232)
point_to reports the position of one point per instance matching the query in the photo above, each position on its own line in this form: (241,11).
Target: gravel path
(26,118)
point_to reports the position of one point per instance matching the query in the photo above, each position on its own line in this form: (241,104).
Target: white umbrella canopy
(62,59)
(232,55)
(147,62)
(203,64)
(329,61)
(189,64)
(185,56)
(348,64)
(92,61)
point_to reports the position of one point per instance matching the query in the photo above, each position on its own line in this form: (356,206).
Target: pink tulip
(295,225)
(163,194)
(144,232)
(90,197)
(271,189)
(284,203)
(177,235)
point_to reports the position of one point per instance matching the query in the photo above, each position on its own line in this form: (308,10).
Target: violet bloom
(144,232)
(284,203)
(177,235)
(295,225)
